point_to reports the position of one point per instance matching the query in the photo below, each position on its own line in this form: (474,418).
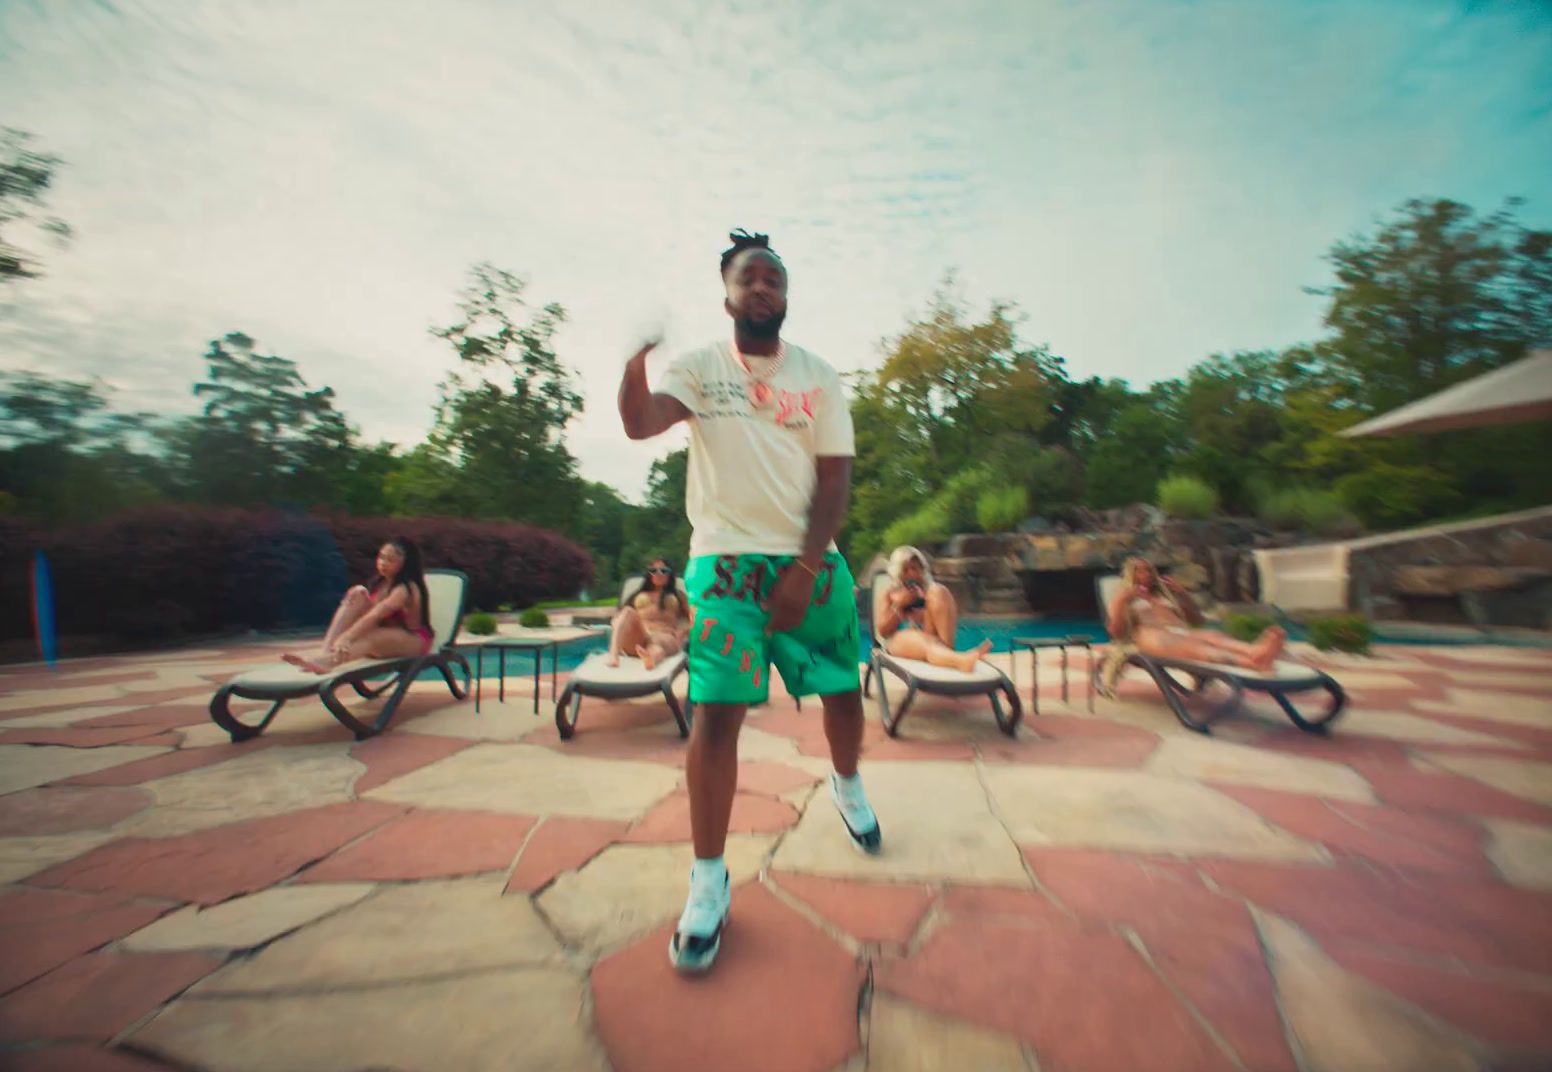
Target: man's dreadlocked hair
(743,240)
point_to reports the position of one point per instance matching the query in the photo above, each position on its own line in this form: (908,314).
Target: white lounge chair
(918,676)
(280,683)
(1282,678)
(596,678)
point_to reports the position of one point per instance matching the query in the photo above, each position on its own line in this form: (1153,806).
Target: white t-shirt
(752,476)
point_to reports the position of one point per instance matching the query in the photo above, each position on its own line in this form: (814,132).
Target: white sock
(710,871)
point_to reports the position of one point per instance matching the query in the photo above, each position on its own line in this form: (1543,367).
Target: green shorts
(731,654)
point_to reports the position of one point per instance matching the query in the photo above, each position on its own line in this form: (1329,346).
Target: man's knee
(718,724)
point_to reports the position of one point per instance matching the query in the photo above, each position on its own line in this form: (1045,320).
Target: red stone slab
(1502,1011)
(1407,787)
(1114,887)
(1080,995)
(1341,746)
(782,997)
(428,844)
(1058,727)
(1478,922)
(164,766)
(1203,942)
(561,844)
(212,865)
(99,995)
(669,819)
(79,1059)
(1510,731)
(868,911)
(160,716)
(42,929)
(61,809)
(393,755)
(772,779)
(1381,834)
(1005,905)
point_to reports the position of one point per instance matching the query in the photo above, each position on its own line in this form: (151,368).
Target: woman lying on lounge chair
(1161,619)
(918,618)
(656,624)
(384,620)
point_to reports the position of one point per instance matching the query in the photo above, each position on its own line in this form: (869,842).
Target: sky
(1150,181)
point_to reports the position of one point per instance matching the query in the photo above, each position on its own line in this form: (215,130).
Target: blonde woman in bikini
(1160,618)
(656,624)
(918,618)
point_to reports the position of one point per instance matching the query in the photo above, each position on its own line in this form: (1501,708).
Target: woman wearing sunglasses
(654,625)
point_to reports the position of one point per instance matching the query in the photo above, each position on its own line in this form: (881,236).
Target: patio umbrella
(1510,395)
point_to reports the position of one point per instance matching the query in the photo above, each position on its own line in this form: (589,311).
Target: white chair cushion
(596,670)
(285,677)
(1282,672)
(924,671)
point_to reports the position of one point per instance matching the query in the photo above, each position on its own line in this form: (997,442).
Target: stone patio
(1106,892)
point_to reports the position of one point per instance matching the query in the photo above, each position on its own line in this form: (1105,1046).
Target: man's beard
(768,328)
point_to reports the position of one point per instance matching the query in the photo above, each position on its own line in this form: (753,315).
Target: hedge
(166,572)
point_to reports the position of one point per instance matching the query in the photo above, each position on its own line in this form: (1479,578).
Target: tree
(1226,413)
(1434,296)
(64,457)
(602,531)
(504,409)
(264,437)
(1127,465)
(659,528)
(25,178)
(968,382)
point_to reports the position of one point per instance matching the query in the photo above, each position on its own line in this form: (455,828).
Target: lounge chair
(1284,677)
(280,683)
(918,676)
(596,678)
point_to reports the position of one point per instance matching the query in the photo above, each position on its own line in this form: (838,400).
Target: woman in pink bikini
(386,621)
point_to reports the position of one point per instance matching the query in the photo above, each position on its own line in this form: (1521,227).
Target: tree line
(964,426)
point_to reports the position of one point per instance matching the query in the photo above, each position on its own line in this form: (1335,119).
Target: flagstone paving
(1106,891)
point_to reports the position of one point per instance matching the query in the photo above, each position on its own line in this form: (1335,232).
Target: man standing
(771,447)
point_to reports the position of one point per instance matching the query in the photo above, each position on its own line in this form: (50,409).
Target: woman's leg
(918,644)
(318,660)
(387,642)
(627,634)
(660,645)
(942,618)
(351,608)
(1209,647)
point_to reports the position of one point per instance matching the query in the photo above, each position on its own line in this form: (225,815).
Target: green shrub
(1313,509)
(929,524)
(479,624)
(1001,509)
(1391,496)
(1247,627)
(1342,632)
(960,497)
(533,618)
(1187,497)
